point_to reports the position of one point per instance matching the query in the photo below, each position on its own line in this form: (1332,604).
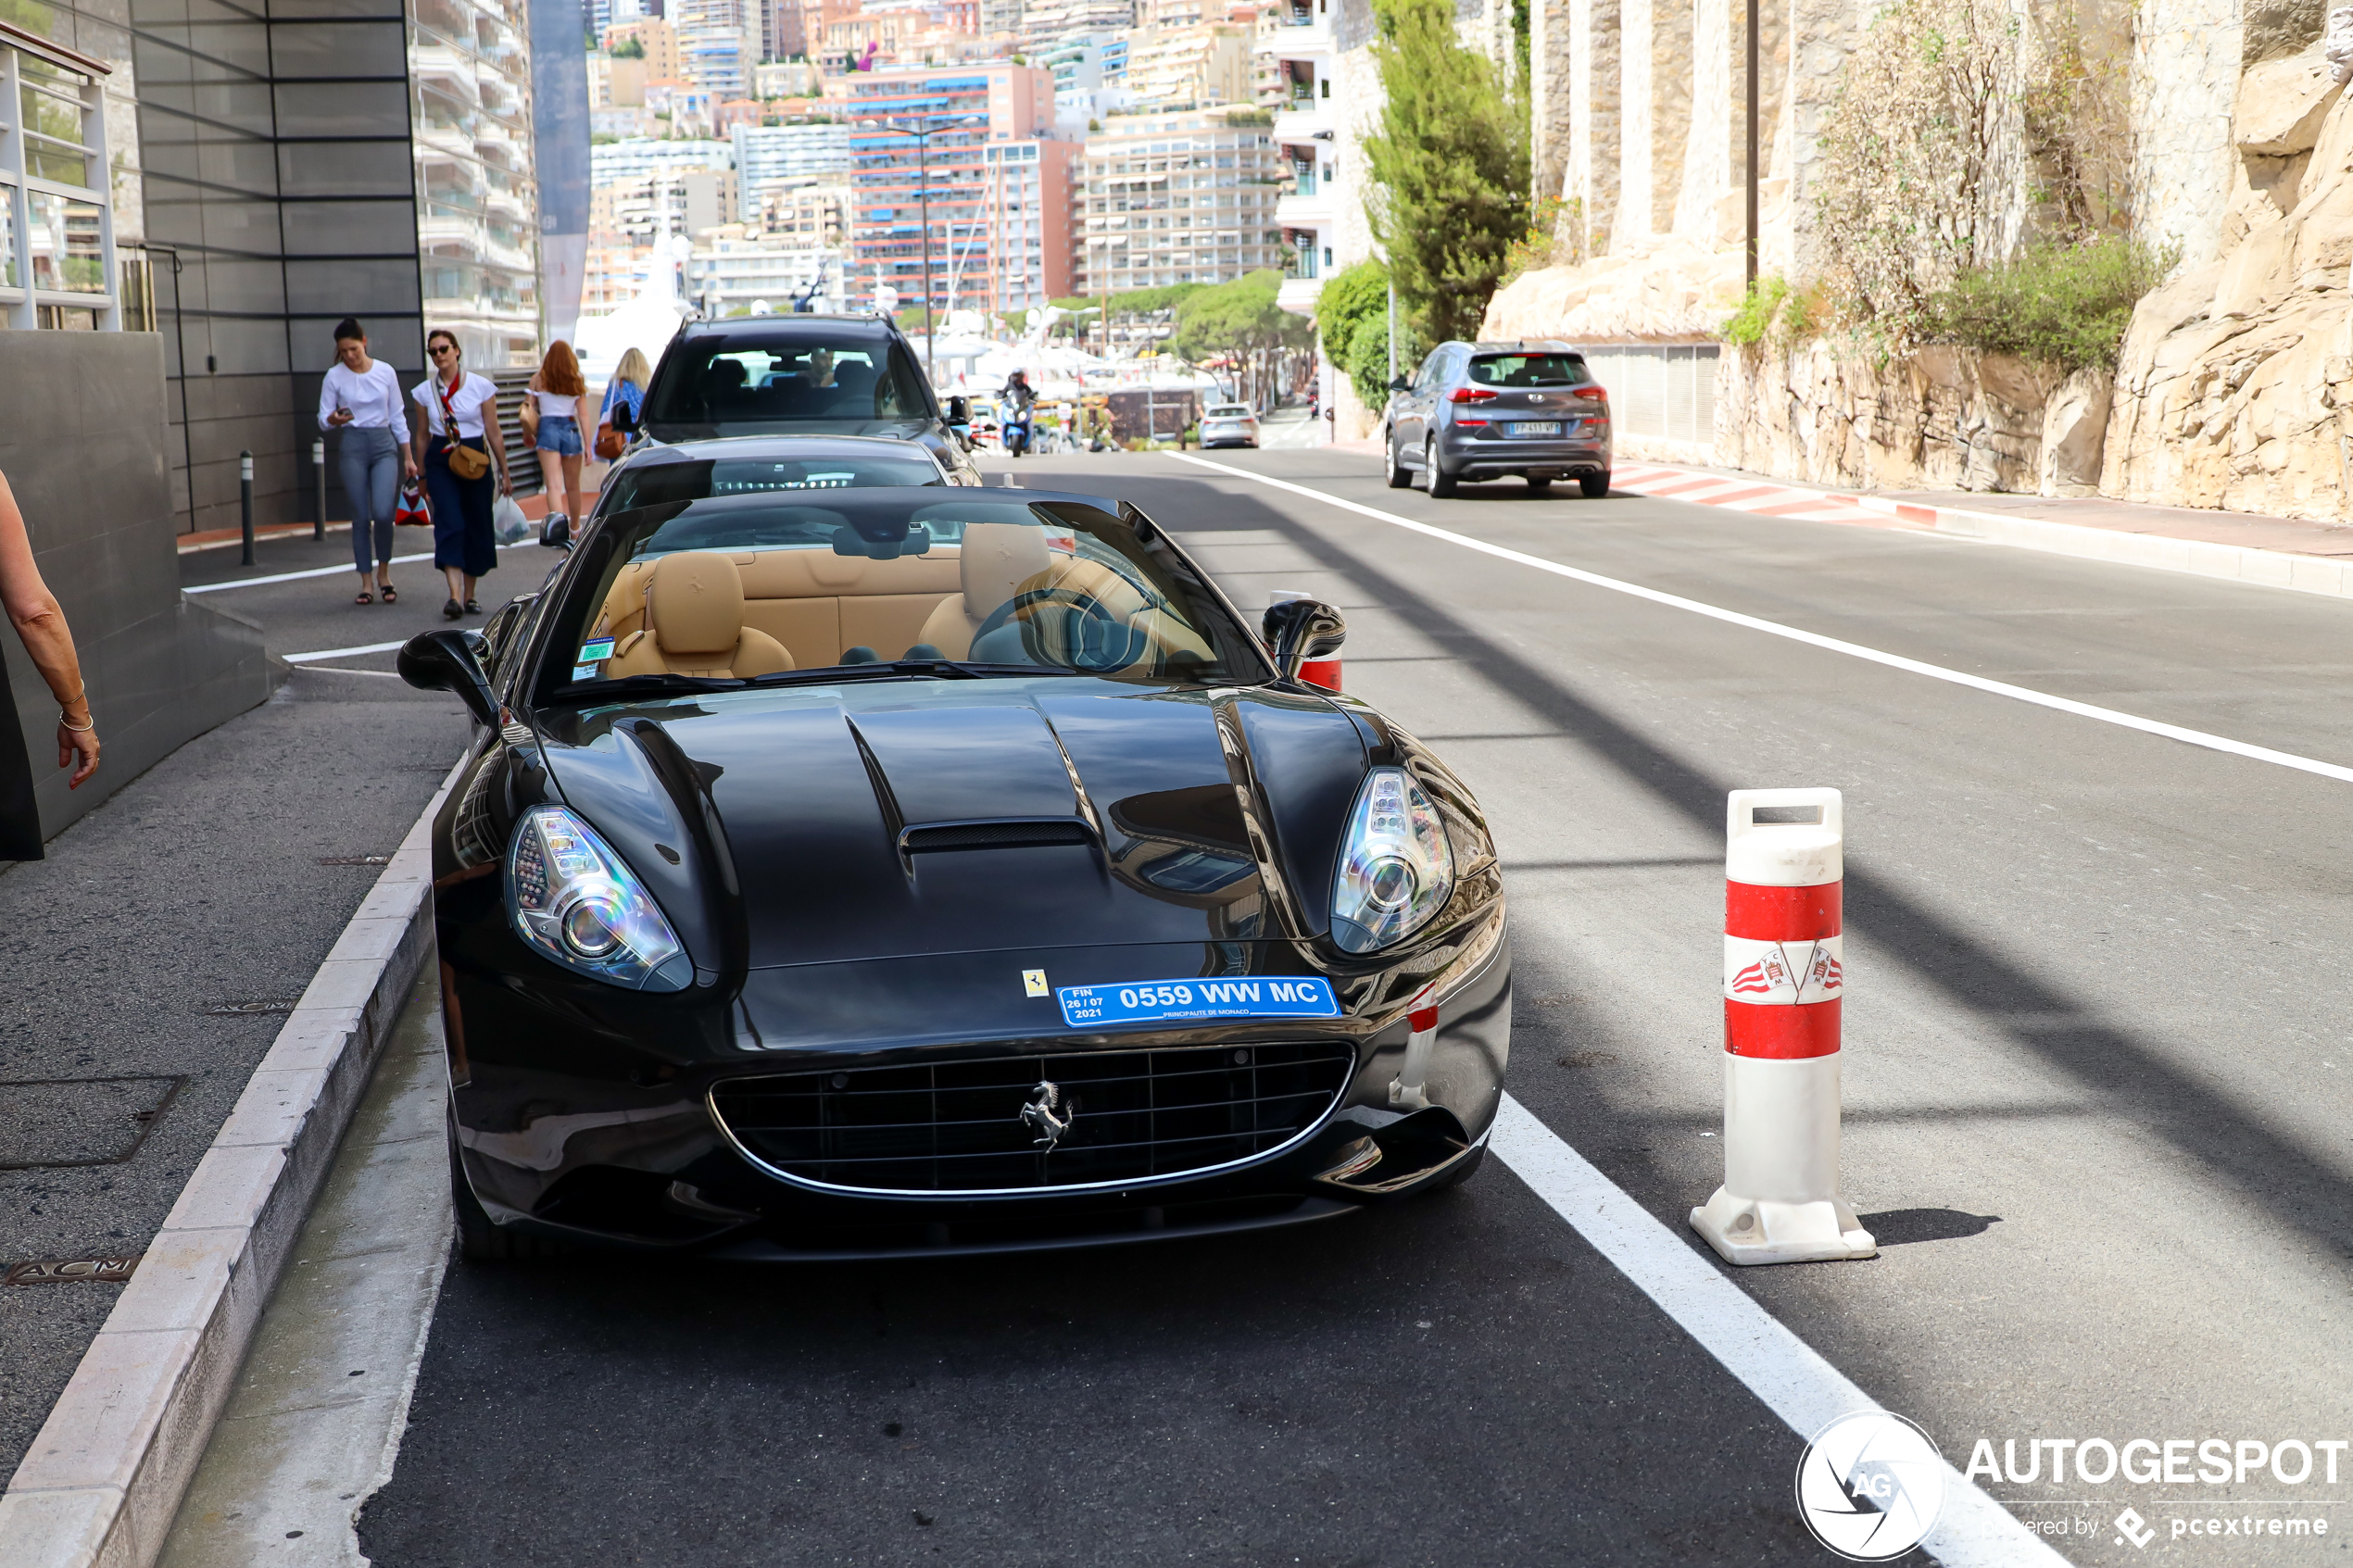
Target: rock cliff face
(1661,289)
(2236,389)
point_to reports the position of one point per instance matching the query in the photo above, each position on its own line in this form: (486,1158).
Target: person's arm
(32,610)
(414,455)
(328,404)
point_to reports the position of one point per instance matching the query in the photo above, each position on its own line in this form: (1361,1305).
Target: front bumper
(586,1113)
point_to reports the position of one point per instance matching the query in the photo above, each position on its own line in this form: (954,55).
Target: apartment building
(736,270)
(995,184)
(813,212)
(718,47)
(659,40)
(1179,198)
(1186,68)
(772,156)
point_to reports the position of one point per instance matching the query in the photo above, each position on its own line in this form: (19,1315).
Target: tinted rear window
(832,375)
(648,484)
(1528,369)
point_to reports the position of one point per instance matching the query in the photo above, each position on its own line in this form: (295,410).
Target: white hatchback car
(1229,424)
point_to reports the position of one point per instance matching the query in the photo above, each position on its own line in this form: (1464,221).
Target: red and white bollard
(1783,980)
(1324,672)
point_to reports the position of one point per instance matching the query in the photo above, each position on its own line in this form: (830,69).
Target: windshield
(1229,411)
(809,375)
(1528,369)
(760,584)
(647,483)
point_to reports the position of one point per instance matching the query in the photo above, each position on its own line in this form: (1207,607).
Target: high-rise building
(1297,38)
(772,156)
(1184,68)
(813,212)
(716,49)
(1179,198)
(994,182)
(658,38)
(614,162)
(732,272)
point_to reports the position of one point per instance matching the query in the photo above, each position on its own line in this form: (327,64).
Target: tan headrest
(998,558)
(696,604)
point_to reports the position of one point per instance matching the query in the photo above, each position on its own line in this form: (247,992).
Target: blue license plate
(1152,1002)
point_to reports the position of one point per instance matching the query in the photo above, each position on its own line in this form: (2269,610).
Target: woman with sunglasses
(459,410)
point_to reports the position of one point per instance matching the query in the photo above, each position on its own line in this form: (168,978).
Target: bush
(1748,325)
(2064,305)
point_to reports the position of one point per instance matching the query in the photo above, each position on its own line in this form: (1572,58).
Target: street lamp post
(923,136)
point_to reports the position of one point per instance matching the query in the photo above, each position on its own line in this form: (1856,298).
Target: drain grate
(355,859)
(243,1009)
(71,1271)
(49,1123)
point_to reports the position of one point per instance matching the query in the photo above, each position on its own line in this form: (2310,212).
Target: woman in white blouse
(362,398)
(463,546)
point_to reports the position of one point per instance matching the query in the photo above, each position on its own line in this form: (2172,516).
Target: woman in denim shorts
(558,389)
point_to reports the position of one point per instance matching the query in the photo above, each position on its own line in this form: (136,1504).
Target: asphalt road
(2094,1084)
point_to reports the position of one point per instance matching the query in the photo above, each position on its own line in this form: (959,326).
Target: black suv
(803,374)
(1482,410)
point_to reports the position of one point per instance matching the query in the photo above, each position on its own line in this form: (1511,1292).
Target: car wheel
(1596,484)
(1441,484)
(480,1239)
(1400,477)
(1538,486)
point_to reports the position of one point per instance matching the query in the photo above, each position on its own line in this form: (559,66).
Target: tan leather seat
(997,561)
(694,624)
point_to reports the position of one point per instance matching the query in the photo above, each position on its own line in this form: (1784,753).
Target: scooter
(1014,433)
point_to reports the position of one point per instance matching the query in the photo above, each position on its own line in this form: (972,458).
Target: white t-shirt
(467,397)
(373,398)
(558,405)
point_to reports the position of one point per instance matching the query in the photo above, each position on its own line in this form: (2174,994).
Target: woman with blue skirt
(463,443)
(362,398)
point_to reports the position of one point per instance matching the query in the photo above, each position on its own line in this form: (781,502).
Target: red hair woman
(559,388)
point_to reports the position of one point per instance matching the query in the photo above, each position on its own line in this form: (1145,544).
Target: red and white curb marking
(1762,498)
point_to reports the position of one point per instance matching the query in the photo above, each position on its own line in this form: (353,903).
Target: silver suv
(1482,410)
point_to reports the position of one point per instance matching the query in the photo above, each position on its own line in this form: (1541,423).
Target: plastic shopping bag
(507,524)
(410,512)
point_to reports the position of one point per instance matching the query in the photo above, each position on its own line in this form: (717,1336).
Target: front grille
(957,1126)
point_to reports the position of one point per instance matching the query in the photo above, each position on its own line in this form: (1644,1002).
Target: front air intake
(1004,833)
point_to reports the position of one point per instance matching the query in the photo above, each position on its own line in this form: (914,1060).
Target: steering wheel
(1102,634)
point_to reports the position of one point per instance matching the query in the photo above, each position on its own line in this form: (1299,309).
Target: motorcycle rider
(1019,397)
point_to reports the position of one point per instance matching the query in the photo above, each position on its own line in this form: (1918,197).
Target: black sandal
(365,597)
(392,595)
(473,608)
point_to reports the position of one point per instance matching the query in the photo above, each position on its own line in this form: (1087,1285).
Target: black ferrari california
(899,871)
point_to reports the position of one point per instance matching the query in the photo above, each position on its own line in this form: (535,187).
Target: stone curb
(2198,557)
(103,1480)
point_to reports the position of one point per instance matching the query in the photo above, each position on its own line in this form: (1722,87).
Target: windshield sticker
(596,648)
(1146,1001)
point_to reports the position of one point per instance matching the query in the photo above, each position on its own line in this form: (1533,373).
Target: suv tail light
(1471,395)
(1594,393)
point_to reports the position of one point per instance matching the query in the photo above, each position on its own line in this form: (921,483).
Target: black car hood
(898,819)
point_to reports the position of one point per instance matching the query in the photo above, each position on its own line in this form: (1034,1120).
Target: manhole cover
(71,1271)
(53,1122)
(239,1010)
(355,859)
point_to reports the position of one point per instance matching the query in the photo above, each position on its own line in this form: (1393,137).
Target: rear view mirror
(886,541)
(1299,630)
(960,410)
(447,661)
(556,533)
(624,418)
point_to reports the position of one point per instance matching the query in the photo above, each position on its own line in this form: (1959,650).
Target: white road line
(340,653)
(298,576)
(332,670)
(1792,1380)
(1815,639)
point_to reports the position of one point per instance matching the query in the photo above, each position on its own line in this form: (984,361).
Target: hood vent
(1002,833)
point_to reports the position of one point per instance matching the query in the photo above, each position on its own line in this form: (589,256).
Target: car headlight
(1395,869)
(576,902)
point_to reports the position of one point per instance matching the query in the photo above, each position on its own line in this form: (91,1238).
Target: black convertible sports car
(899,870)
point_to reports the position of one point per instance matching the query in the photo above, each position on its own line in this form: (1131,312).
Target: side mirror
(1298,630)
(624,418)
(446,662)
(960,410)
(1400,384)
(556,533)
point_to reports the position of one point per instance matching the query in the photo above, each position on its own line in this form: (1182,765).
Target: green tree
(629,49)
(1241,320)
(1351,315)
(1450,167)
